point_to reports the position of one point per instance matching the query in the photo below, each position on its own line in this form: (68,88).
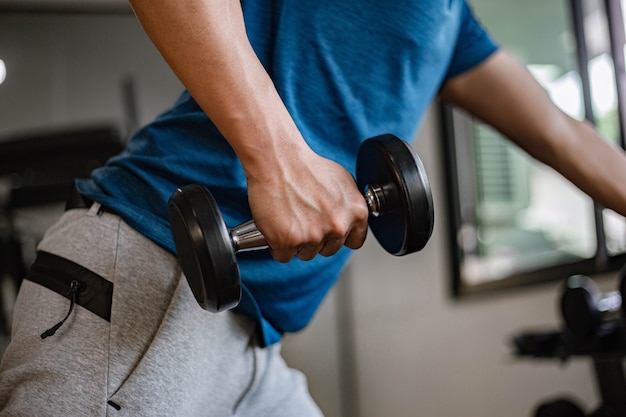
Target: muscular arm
(502,93)
(295,195)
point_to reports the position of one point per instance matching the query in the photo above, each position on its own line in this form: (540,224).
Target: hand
(308,205)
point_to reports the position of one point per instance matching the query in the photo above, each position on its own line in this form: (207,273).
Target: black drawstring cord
(74,285)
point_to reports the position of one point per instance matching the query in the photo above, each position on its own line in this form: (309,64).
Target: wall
(69,69)
(388,340)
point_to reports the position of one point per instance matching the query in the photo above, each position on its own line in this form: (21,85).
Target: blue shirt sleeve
(473,45)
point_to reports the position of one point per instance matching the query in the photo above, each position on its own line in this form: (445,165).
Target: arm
(294,193)
(502,93)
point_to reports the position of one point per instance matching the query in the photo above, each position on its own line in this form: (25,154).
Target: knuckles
(324,236)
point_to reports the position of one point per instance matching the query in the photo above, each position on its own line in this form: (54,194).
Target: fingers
(328,246)
(283,255)
(356,237)
(308,251)
(331,247)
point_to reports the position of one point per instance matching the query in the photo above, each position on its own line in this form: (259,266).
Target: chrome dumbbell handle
(247,237)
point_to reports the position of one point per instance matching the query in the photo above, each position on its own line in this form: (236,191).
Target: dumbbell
(394,185)
(587,311)
(561,407)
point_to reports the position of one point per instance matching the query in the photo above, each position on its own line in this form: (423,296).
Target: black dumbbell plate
(204,248)
(407,224)
(578,306)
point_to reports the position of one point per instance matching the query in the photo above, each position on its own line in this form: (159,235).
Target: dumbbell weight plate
(562,407)
(407,224)
(204,248)
(579,307)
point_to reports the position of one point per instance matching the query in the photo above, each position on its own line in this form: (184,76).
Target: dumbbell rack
(607,351)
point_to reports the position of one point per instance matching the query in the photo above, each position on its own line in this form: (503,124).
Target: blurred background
(429,334)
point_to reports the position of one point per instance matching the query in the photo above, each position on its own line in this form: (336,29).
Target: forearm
(205,44)
(597,167)
(503,94)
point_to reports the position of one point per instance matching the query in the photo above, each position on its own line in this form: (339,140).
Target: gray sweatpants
(159,353)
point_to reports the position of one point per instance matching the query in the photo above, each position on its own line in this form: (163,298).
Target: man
(280,95)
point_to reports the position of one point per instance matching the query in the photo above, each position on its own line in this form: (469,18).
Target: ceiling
(64,6)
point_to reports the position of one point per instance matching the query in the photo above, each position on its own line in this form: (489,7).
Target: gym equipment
(40,167)
(587,311)
(561,407)
(611,410)
(595,328)
(394,185)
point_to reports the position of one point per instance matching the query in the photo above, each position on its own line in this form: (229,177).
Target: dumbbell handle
(610,302)
(247,236)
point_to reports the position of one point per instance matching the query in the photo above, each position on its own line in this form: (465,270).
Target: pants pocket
(76,283)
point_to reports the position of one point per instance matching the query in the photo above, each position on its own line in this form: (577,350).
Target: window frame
(456,131)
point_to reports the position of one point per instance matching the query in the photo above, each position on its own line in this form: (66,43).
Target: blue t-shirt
(346,70)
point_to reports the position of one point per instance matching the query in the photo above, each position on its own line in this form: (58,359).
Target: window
(515,221)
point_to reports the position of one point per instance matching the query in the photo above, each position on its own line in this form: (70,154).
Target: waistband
(76,200)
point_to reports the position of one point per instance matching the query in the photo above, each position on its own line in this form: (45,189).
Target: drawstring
(74,285)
